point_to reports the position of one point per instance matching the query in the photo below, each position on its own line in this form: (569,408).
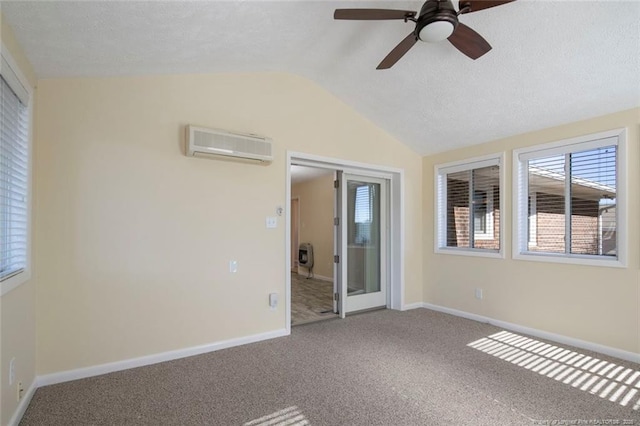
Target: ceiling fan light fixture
(437,21)
(436,31)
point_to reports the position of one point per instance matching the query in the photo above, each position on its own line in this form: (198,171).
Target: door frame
(297,199)
(343,250)
(395,289)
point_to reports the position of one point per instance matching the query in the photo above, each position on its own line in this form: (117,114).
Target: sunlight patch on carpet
(291,416)
(602,378)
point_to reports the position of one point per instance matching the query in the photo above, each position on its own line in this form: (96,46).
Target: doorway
(363,255)
(368,268)
(312,245)
(295,231)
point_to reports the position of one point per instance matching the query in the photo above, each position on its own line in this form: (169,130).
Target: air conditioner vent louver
(213,142)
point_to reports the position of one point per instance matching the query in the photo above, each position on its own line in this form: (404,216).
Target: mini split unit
(203,142)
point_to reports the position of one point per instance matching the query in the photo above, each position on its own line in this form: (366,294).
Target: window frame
(20,85)
(440,205)
(520,194)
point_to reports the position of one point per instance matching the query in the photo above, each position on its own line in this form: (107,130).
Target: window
(468,207)
(569,200)
(14,176)
(363,197)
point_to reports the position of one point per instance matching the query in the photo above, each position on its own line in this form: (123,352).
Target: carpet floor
(379,368)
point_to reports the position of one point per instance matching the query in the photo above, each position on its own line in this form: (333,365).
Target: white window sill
(470,252)
(14,282)
(574,259)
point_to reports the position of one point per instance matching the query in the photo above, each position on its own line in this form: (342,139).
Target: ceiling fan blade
(468,6)
(469,42)
(398,52)
(372,14)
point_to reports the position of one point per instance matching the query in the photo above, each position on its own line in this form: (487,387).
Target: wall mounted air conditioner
(203,142)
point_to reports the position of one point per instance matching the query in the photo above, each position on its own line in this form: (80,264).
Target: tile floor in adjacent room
(311,299)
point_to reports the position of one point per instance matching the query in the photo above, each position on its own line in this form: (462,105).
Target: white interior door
(364,242)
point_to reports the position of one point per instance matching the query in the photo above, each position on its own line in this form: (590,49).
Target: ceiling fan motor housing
(436,13)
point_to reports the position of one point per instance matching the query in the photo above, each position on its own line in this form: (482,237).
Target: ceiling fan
(437,20)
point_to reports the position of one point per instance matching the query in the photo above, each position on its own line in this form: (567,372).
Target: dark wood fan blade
(372,14)
(398,52)
(469,42)
(468,6)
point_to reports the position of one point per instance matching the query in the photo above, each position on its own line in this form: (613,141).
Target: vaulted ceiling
(552,62)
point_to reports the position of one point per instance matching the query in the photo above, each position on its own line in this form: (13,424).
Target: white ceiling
(552,62)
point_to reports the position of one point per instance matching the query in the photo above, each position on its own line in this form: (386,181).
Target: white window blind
(575,202)
(363,199)
(468,206)
(569,200)
(14,178)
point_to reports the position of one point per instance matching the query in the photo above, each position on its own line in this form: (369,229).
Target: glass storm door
(363,255)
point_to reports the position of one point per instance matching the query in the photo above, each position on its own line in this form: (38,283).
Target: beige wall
(596,304)
(17,308)
(316,221)
(134,238)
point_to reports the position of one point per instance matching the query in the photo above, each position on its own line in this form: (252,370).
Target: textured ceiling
(552,62)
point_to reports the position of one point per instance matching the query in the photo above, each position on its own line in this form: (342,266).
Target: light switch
(233,266)
(273,300)
(272,222)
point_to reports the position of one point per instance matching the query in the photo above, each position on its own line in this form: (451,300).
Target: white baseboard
(322,278)
(24,403)
(81,373)
(316,276)
(410,306)
(607,350)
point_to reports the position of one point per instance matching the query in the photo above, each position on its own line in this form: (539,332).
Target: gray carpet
(377,368)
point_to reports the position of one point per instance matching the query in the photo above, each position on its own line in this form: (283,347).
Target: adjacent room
(319,212)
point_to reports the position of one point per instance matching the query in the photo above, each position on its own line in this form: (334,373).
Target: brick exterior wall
(458,217)
(549,218)
(550,222)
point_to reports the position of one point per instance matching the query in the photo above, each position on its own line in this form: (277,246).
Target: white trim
(348,166)
(97,370)
(572,259)
(15,76)
(397,203)
(362,301)
(24,403)
(472,163)
(316,276)
(287,247)
(474,252)
(520,245)
(565,340)
(322,278)
(440,215)
(567,146)
(410,306)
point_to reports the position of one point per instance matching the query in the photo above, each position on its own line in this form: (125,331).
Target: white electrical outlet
(12,371)
(479,293)
(233,266)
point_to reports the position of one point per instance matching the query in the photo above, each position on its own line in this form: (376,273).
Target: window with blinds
(14,178)
(568,199)
(468,206)
(363,199)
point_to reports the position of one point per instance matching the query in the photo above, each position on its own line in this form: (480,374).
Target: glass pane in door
(363,235)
